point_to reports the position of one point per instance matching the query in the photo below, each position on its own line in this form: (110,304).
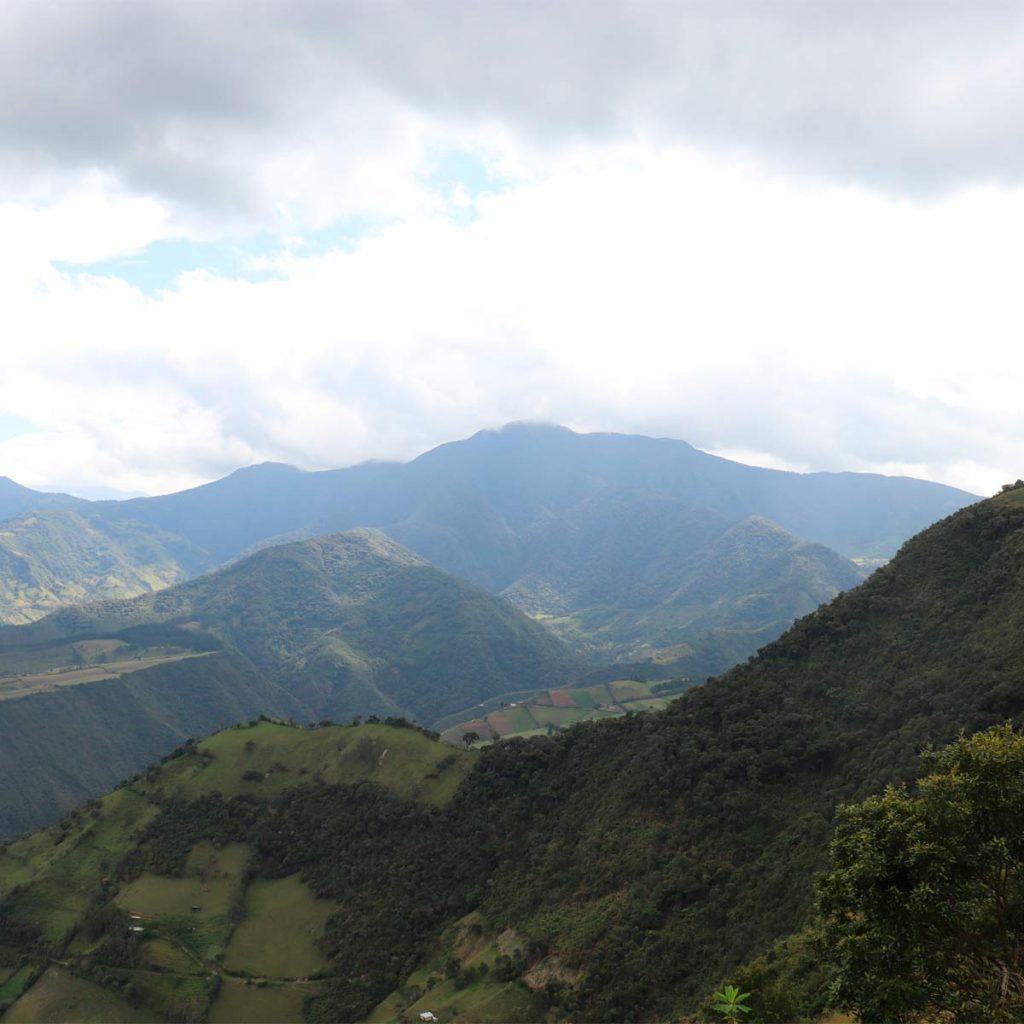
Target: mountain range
(618,871)
(610,539)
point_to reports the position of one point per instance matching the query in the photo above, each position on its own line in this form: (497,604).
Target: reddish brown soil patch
(500,723)
(562,699)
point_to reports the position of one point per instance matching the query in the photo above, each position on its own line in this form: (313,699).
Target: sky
(324,232)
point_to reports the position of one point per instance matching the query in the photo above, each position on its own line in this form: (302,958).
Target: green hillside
(617,871)
(349,624)
(331,628)
(153,922)
(60,557)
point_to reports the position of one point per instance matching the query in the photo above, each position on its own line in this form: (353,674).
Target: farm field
(184,961)
(13,687)
(212,878)
(278,935)
(59,996)
(241,1003)
(62,874)
(545,711)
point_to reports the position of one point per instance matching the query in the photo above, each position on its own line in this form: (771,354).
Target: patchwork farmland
(544,712)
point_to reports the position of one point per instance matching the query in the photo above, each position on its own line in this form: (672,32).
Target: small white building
(428,1018)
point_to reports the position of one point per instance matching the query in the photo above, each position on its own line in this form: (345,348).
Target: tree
(924,908)
(469,738)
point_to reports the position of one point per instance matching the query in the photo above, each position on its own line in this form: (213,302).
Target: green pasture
(161,955)
(278,757)
(58,997)
(175,997)
(278,936)
(212,878)
(509,721)
(239,1003)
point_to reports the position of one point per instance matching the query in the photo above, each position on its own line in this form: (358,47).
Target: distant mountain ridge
(524,511)
(16,500)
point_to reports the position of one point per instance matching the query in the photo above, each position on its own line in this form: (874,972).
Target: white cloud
(634,288)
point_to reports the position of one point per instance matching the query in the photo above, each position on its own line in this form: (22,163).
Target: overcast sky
(325,232)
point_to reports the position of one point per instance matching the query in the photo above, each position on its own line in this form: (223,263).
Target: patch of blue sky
(158,267)
(14,426)
(461,174)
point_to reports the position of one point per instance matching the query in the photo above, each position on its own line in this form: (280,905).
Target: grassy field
(158,954)
(402,760)
(278,935)
(538,713)
(239,1003)
(212,879)
(59,997)
(13,687)
(212,882)
(174,997)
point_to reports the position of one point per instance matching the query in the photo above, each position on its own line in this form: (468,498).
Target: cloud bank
(785,231)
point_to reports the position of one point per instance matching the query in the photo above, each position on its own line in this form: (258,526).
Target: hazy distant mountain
(15,500)
(66,556)
(600,527)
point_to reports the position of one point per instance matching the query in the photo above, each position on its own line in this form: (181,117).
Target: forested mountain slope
(351,623)
(680,585)
(638,860)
